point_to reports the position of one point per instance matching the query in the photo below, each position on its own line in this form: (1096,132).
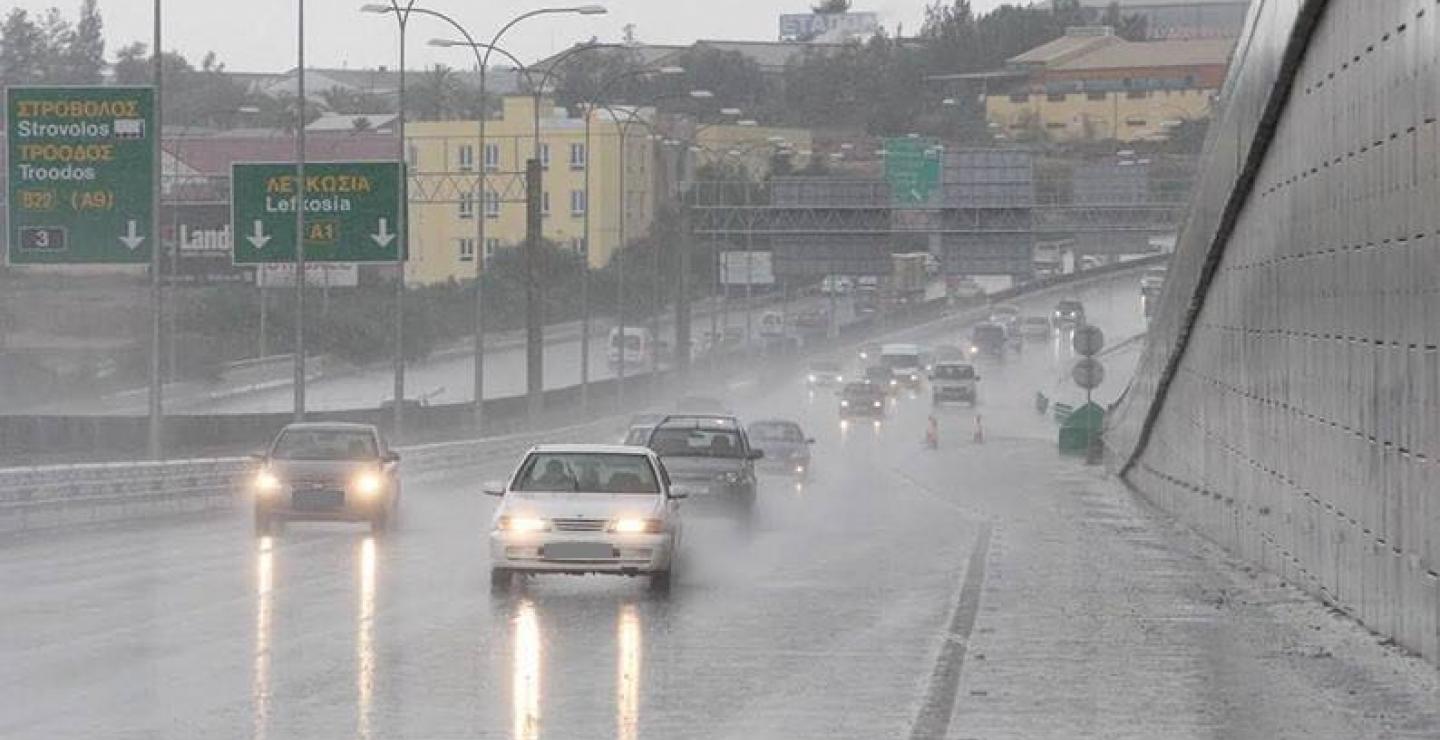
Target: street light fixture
(730,111)
(747,122)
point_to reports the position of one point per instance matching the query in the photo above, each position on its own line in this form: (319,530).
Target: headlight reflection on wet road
(365,639)
(264,612)
(627,679)
(525,676)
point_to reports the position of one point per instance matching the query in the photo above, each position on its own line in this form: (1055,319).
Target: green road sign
(912,166)
(351,212)
(81,169)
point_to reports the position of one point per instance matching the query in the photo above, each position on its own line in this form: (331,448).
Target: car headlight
(799,469)
(636,526)
(894,381)
(877,404)
(521,524)
(730,477)
(844,404)
(974,349)
(367,484)
(267,482)
(812,378)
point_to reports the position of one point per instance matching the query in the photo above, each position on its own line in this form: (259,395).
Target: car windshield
(862,390)
(586,472)
(325,444)
(878,372)
(954,372)
(776,431)
(632,341)
(693,442)
(901,360)
(988,331)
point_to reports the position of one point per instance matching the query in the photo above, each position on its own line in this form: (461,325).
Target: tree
(85,56)
(22,50)
(1132,27)
(436,96)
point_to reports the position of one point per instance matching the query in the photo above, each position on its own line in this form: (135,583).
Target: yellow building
(1090,84)
(443,161)
(443,157)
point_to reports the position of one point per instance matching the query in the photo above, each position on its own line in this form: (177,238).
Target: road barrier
(55,496)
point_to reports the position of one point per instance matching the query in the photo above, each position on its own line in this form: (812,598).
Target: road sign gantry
(81,174)
(352,212)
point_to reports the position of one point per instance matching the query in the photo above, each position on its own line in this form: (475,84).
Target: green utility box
(1081,429)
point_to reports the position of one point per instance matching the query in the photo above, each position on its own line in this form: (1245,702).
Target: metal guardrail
(55,496)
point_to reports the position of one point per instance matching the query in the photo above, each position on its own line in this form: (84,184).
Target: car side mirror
(757,454)
(977,378)
(392,457)
(494,488)
(678,494)
(810,440)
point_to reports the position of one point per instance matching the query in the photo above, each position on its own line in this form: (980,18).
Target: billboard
(733,269)
(838,26)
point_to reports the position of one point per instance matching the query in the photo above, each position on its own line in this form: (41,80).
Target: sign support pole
(299,353)
(403,227)
(156,436)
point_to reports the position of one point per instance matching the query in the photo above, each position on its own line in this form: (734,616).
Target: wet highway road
(839,616)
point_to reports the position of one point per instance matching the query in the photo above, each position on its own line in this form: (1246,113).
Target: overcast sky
(258,35)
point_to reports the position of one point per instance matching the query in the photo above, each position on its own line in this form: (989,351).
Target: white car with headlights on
(327,472)
(581,509)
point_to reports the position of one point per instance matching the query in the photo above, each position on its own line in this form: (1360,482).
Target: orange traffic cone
(932,434)
(979,431)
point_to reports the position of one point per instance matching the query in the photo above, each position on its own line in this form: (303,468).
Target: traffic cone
(932,434)
(979,431)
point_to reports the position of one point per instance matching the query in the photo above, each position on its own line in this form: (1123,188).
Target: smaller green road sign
(912,166)
(351,212)
(81,170)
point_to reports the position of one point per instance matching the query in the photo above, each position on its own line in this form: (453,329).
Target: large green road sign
(351,212)
(912,166)
(81,172)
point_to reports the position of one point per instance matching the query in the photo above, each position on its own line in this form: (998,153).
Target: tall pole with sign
(401,226)
(299,190)
(157,307)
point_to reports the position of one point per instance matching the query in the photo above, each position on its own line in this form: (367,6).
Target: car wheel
(660,582)
(500,580)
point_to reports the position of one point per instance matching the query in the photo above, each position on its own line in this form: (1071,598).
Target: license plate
(578,551)
(322,499)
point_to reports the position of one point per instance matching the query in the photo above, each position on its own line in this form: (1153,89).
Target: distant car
(953,381)
(813,318)
(905,361)
(968,289)
(1008,316)
(639,428)
(823,373)
(327,472)
(585,509)
(787,449)
(882,377)
(709,459)
(862,399)
(988,338)
(1069,313)
(1036,327)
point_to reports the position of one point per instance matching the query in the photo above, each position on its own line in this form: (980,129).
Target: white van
(906,361)
(953,381)
(639,349)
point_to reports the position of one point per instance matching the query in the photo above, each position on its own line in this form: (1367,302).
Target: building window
(1056,97)
(492,204)
(1135,122)
(491,244)
(1019,97)
(467,205)
(577,156)
(545,203)
(577,202)
(1054,125)
(544,156)
(465,155)
(1095,96)
(467,250)
(1137,94)
(492,157)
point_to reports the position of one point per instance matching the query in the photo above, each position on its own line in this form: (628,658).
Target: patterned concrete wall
(1289,403)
